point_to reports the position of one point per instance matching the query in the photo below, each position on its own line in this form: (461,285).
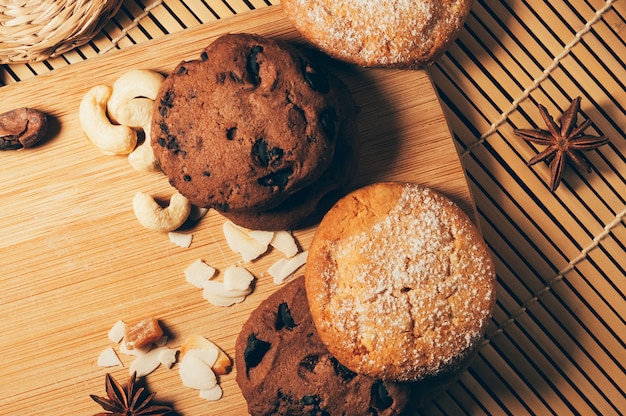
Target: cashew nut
(110,138)
(132,84)
(137,113)
(154,217)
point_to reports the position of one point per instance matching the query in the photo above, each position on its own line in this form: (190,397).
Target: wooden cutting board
(74,260)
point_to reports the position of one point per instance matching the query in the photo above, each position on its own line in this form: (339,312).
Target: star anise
(565,143)
(129,401)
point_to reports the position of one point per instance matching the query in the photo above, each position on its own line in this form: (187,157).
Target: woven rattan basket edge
(36,32)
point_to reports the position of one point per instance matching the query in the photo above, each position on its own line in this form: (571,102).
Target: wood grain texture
(74,260)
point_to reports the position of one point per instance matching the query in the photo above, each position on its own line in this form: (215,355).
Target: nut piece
(221,364)
(154,217)
(22,128)
(137,114)
(110,138)
(132,84)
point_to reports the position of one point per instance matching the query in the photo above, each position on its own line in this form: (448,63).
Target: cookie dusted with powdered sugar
(390,33)
(400,283)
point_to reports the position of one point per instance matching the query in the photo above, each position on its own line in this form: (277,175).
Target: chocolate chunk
(284,318)
(341,370)
(380,399)
(255,351)
(278,179)
(307,365)
(253,64)
(235,78)
(316,80)
(264,156)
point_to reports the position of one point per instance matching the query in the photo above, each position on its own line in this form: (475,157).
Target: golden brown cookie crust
(397,33)
(400,282)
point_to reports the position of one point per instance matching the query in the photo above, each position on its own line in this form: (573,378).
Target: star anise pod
(129,401)
(565,143)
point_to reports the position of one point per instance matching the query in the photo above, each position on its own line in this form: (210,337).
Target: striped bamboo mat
(557,342)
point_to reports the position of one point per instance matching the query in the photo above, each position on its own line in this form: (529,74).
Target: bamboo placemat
(557,342)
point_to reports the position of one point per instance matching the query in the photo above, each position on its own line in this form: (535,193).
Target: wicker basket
(34,30)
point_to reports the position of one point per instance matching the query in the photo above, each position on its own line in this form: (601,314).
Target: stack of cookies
(398,290)
(257,131)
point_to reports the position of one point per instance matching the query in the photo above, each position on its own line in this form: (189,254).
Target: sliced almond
(199,272)
(180,239)
(167,356)
(116,333)
(221,301)
(195,373)
(284,242)
(146,363)
(262,237)
(240,242)
(108,358)
(221,363)
(237,278)
(212,394)
(285,268)
(218,288)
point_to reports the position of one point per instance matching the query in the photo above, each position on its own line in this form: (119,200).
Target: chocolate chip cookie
(246,125)
(284,369)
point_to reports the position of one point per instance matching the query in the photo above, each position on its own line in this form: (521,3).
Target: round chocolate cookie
(388,33)
(284,369)
(308,205)
(246,125)
(400,283)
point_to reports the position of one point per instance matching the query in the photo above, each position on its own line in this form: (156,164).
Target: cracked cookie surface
(283,368)
(401,282)
(247,124)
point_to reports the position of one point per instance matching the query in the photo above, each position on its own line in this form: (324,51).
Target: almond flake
(116,333)
(285,268)
(237,278)
(199,272)
(262,237)
(240,242)
(212,394)
(167,356)
(108,358)
(195,373)
(146,363)
(180,239)
(284,242)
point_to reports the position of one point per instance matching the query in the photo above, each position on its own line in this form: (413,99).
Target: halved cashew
(110,138)
(137,113)
(155,217)
(132,84)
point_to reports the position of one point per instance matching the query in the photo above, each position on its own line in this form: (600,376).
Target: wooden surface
(556,341)
(75,260)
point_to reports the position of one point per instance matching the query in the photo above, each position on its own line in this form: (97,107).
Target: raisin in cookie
(246,125)
(307,206)
(400,283)
(284,369)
